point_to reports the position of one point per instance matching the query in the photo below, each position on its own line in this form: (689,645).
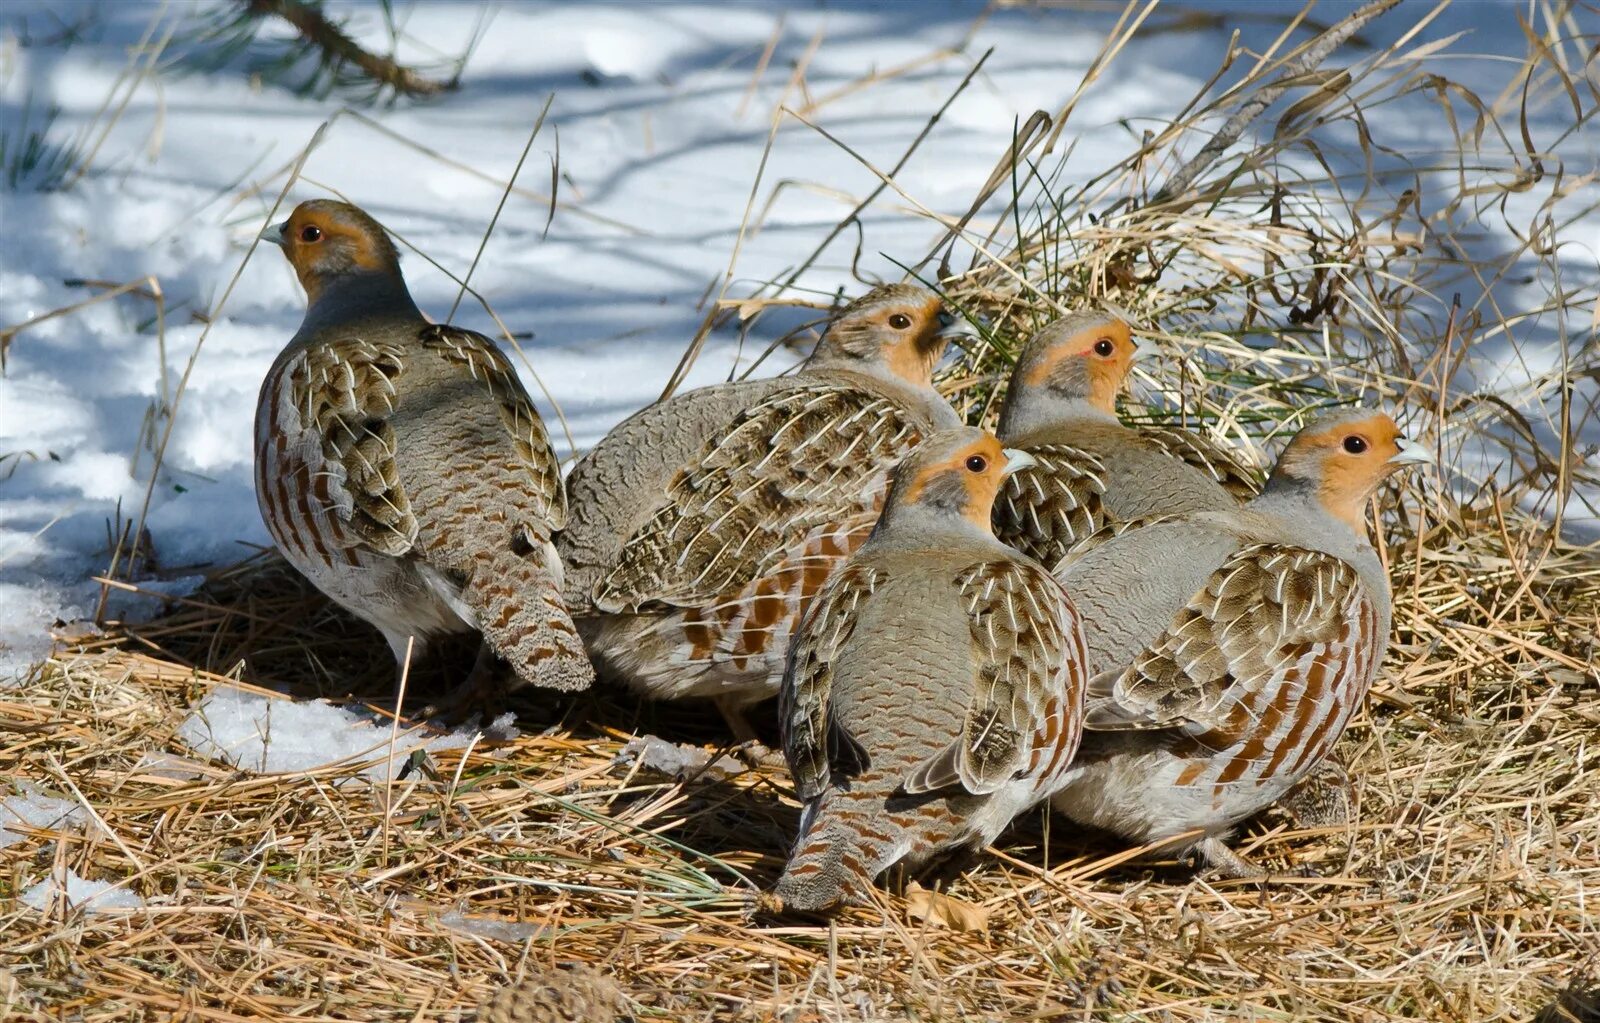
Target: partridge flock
(1123,623)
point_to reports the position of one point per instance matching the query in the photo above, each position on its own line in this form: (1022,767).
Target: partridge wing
(804,457)
(813,742)
(1274,625)
(1211,458)
(1046,509)
(332,425)
(1027,665)
(481,359)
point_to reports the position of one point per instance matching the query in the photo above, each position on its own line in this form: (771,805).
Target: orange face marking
(980,484)
(314,229)
(1354,457)
(911,352)
(1103,370)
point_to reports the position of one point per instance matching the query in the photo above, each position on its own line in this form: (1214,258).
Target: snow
(508,931)
(675,760)
(93,896)
(267,735)
(31,808)
(662,122)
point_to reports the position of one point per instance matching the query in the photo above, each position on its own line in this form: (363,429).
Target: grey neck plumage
(922,527)
(935,518)
(1296,504)
(360,296)
(1043,408)
(884,380)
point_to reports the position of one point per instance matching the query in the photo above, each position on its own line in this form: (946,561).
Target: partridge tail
(516,597)
(845,842)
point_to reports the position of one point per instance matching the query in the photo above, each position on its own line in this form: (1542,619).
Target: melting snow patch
(33,809)
(491,928)
(273,736)
(675,760)
(93,896)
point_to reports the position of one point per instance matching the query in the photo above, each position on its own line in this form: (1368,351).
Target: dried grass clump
(1319,261)
(1278,278)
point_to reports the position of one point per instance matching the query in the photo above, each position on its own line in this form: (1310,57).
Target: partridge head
(1339,460)
(898,329)
(1094,471)
(345,260)
(948,485)
(1072,367)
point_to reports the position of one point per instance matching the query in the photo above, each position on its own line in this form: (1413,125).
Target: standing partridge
(401,467)
(1229,649)
(1093,471)
(702,524)
(935,689)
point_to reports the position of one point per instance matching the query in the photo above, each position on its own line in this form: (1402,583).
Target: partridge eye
(1104,347)
(310,233)
(977,463)
(899,321)
(1355,445)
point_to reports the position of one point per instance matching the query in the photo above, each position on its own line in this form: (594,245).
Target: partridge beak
(274,233)
(953,327)
(1016,461)
(1409,454)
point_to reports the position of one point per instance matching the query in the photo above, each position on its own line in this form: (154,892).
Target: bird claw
(479,695)
(763,904)
(758,756)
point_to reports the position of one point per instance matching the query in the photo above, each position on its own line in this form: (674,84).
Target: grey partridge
(934,690)
(580,994)
(1229,649)
(1093,471)
(401,467)
(703,524)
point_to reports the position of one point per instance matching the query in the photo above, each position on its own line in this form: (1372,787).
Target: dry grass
(1278,279)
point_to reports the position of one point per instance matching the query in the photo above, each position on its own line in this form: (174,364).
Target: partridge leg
(479,694)
(1226,862)
(732,711)
(750,751)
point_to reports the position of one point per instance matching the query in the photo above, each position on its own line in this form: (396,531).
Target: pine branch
(338,48)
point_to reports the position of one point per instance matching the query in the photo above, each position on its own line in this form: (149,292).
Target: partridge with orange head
(400,465)
(1229,649)
(1093,471)
(934,690)
(702,525)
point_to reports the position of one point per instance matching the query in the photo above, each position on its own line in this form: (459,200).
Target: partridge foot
(1323,799)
